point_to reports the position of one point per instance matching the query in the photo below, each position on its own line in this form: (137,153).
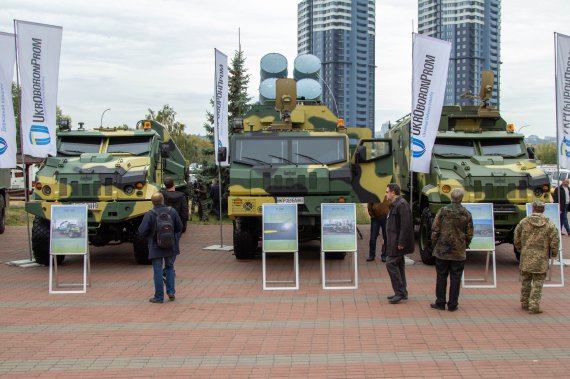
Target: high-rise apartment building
(474,29)
(342,34)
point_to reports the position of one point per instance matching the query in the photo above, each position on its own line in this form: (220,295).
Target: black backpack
(164,228)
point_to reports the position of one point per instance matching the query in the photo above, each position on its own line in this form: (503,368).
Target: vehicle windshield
(290,150)
(129,145)
(510,147)
(71,146)
(452,147)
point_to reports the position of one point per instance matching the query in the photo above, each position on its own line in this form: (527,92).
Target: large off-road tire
(2,214)
(245,237)
(426,245)
(140,248)
(41,242)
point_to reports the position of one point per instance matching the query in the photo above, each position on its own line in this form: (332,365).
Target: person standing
(378,213)
(215,196)
(176,200)
(535,237)
(452,232)
(562,197)
(157,250)
(400,241)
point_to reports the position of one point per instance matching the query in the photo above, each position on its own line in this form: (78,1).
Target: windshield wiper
(283,159)
(257,160)
(71,151)
(451,154)
(311,158)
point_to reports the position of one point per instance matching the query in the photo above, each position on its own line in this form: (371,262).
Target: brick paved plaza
(223,324)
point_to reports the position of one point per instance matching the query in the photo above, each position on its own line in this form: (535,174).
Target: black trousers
(397,270)
(453,269)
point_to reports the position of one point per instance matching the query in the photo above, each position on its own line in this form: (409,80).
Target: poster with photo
(338,227)
(483,226)
(280,228)
(68,229)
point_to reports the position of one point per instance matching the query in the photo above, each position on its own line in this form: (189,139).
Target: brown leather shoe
(171,297)
(369,259)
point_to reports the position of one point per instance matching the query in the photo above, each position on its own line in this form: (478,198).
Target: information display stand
(280,236)
(483,241)
(552,211)
(68,236)
(338,234)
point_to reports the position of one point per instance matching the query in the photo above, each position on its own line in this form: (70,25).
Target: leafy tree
(546,153)
(190,146)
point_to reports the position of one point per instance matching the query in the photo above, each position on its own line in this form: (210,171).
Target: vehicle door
(372,169)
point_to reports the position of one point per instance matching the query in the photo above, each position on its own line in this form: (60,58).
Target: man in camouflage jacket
(452,231)
(535,236)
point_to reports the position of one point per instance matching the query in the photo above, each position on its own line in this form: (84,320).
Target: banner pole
(220,202)
(410,130)
(23,156)
(558,145)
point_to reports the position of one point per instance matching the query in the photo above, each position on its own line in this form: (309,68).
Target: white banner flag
(39,48)
(8,147)
(430,61)
(221,105)
(563,98)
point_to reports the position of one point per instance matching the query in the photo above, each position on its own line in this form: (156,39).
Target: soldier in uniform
(535,236)
(452,231)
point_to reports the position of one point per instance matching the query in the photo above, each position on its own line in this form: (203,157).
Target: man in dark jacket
(215,196)
(378,213)
(176,200)
(452,232)
(562,197)
(400,233)
(157,254)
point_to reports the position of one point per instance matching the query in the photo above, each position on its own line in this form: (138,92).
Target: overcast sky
(132,55)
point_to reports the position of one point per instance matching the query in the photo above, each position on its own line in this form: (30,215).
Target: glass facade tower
(342,34)
(474,29)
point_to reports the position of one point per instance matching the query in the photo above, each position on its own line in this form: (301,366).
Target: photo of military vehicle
(290,148)
(475,149)
(114,171)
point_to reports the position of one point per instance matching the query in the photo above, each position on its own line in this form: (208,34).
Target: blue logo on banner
(39,135)
(565,148)
(3,145)
(420,148)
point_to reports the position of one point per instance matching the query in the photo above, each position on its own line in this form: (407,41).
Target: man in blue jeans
(562,197)
(157,254)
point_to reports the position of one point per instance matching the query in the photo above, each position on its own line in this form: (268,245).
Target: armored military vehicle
(4,186)
(114,171)
(475,149)
(290,148)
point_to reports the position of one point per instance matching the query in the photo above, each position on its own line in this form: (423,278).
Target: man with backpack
(176,200)
(162,227)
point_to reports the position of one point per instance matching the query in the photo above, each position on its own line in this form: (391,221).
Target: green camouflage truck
(114,171)
(4,185)
(475,149)
(295,150)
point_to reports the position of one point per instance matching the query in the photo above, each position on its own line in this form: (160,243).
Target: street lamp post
(522,127)
(102,114)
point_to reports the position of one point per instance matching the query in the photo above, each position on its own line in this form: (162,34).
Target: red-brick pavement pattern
(223,324)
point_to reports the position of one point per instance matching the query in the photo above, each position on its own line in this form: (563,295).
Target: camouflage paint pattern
(508,183)
(452,232)
(116,186)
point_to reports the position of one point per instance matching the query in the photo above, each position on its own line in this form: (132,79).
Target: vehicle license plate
(89,205)
(291,200)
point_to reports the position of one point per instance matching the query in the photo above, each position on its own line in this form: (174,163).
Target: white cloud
(131,55)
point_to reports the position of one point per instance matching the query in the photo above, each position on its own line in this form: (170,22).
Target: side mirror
(531,152)
(361,154)
(222,154)
(165,150)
